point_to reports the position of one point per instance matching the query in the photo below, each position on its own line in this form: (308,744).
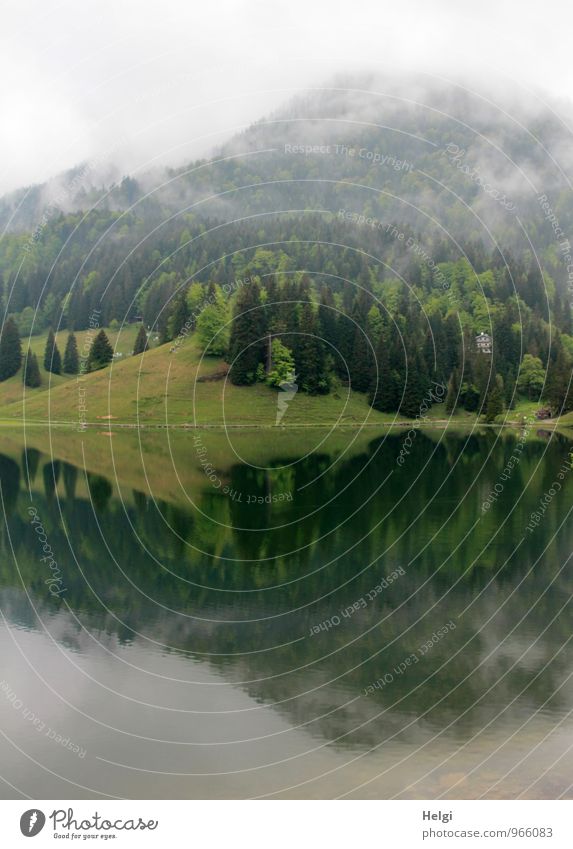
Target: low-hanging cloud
(147,84)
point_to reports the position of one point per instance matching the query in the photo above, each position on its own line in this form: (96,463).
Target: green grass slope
(177,386)
(164,386)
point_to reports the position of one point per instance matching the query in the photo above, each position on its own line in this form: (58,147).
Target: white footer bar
(288,824)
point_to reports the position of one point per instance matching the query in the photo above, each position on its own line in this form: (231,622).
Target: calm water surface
(296,617)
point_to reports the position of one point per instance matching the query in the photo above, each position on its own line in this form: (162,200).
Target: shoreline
(441,424)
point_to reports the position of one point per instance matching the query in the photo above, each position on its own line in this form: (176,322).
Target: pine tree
(179,316)
(247,341)
(559,388)
(494,403)
(140,341)
(56,361)
(31,372)
(385,390)
(101,352)
(309,355)
(416,390)
(71,358)
(345,332)
(10,350)
(50,342)
(360,364)
(52,358)
(510,390)
(327,318)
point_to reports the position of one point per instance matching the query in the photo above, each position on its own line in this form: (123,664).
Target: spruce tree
(140,341)
(360,364)
(31,372)
(10,350)
(452,398)
(56,361)
(385,388)
(417,385)
(247,342)
(101,352)
(345,332)
(559,388)
(327,318)
(50,342)
(52,358)
(71,358)
(179,316)
(494,403)
(309,355)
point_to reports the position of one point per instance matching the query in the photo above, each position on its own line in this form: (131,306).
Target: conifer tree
(52,358)
(71,358)
(452,398)
(31,372)
(559,389)
(327,317)
(247,342)
(179,316)
(360,365)
(101,352)
(309,355)
(385,386)
(494,403)
(140,344)
(10,350)
(345,332)
(416,390)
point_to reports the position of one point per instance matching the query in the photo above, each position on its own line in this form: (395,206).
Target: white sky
(134,81)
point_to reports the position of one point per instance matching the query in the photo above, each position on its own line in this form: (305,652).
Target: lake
(284,613)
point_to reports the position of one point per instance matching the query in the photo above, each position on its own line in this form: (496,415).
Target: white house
(483,343)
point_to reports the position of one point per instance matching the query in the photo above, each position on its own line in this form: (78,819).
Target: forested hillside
(357,237)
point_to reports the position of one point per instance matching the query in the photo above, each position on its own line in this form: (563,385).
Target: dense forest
(353,247)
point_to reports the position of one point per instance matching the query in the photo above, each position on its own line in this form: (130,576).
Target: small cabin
(483,343)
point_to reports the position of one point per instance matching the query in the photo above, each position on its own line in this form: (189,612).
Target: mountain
(429,201)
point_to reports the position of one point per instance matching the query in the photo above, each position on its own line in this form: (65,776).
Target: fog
(139,84)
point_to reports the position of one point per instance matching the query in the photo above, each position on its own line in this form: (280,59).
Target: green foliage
(213,325)
(470,397)
(385,387)
(531,376)
(416,391)
(52,358)
(10,350)
(101,352)
(27,321)
(179,317)
(360,364)
(140,344)
(309,355)
(282,364)
(375,324)
(31,372)
(71,358)
(495,400)
(452,396)
(247,338)
(559,389)
(195,296)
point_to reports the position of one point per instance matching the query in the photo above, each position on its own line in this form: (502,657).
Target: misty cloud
(143,85)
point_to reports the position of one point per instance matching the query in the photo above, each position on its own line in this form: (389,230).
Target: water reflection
(277,596)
